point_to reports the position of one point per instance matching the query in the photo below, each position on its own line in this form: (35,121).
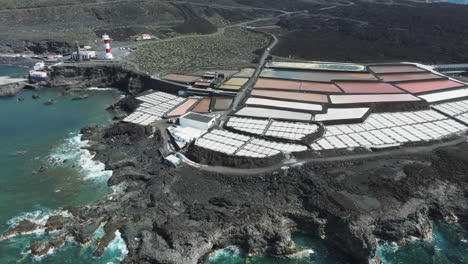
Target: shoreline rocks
(180,215)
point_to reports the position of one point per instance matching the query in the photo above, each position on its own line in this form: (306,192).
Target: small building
(185,134)
(144,37)
(39,66)
(198,121)
(173,160)
(85,55)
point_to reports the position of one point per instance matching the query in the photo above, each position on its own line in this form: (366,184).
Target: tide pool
(34,135)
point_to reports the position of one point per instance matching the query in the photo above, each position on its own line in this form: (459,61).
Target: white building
(185,134)
(85,55)
(39,66)
(198,121)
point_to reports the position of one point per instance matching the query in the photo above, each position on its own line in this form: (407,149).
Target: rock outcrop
(11,89)
(179,215)
(105,75)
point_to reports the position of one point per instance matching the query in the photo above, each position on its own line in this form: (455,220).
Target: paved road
(248,87)
(371,155)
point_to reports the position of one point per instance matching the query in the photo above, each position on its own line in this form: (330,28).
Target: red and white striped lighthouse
(106,39)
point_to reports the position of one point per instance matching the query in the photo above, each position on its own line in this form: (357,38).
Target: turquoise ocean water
(34,135)
(465,2)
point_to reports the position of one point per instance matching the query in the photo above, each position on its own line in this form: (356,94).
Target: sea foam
(99,89)
(73,151)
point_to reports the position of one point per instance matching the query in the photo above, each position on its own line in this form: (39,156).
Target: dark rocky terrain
(169,215)
(360,30)
(371,32)
(45,26)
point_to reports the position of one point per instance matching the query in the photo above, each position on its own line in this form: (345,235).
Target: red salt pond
(277,84)
(395,69)
(409,77)
(304,97)
(182,108)
(371,88)
(319,87)
(203,106)
(422,87)
(372,98)
(265,83)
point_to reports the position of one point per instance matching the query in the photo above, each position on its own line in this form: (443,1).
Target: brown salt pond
(409,77)
(422,87)
(203,106)
(371,88)
(182,108)
(222,104)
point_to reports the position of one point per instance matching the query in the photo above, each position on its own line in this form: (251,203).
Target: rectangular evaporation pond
(371,88)
(317,66)
(409,77)
(396,69)
(182,108)
(372,98)
(277,84)
(222,104)
(345,114)
(320,87)
(317,76)
(304,97)
(229,87)
(422,87)
(447,95)
(273,113)
(180,78)
(203,106)
(236,81)
(283,104)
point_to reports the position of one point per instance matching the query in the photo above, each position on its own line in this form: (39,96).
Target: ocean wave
(119,247)
(73,151)
(38,217)
(230,252)
(99,89)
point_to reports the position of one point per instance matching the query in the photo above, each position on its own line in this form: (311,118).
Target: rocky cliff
(105,75)
(178,216)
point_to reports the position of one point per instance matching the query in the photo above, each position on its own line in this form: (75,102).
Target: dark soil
(434,33)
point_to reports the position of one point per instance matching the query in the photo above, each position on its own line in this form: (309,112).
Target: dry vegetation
(235,46)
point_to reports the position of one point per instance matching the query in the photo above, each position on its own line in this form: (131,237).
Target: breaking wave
(99,89)
(118,247)
(231,253)
(73,151)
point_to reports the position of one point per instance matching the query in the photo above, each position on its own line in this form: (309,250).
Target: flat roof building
(198,121)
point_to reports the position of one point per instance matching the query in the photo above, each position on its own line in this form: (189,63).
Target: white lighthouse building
(108,55)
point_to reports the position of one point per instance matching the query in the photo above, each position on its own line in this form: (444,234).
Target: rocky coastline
(180,215)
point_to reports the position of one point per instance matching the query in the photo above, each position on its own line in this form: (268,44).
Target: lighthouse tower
(106,39)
